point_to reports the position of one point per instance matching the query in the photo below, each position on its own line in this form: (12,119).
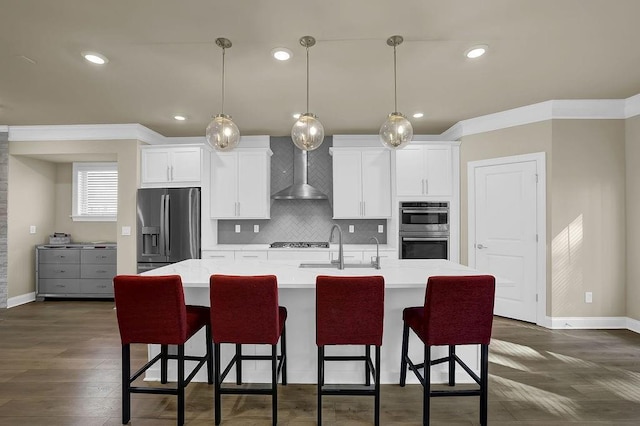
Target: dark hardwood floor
(60,365)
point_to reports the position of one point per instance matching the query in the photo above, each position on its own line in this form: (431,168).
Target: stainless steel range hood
(300,190)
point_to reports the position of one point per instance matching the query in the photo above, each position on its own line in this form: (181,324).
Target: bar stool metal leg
(126,373)
(164,361)
(320,381)
(426,385)
(180,384)
(403,357)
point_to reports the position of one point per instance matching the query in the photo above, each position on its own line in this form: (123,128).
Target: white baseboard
(633,325)
(12,302)
(588,322)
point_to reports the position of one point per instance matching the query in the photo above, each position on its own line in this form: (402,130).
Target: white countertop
(332,247)
(397,273)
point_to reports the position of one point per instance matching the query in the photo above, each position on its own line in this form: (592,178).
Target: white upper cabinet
(240,184)
(171,166)
(361,183)
(424,170)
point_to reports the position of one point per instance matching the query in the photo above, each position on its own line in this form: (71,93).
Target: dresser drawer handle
(61,285)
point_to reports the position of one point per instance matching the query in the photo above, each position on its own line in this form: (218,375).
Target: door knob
(480,246)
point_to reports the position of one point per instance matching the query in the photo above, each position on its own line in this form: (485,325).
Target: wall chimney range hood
(300,190)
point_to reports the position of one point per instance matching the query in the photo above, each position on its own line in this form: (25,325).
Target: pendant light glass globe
(222,133)
(307,132)
(396,132)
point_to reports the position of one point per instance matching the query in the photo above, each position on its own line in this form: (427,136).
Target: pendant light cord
(395,82)
(307,79)
(222,108)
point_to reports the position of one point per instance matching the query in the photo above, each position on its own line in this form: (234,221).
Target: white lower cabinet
(299,255)
(226,255)
(251,255)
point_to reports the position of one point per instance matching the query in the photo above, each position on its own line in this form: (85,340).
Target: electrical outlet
(237,229)
(588,297)
(32,229)
(380,229)
(352,229)
(126,230)
(256,228)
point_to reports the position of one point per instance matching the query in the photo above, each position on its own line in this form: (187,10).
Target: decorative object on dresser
(75,270)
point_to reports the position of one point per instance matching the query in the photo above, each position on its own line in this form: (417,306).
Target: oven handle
(424,239)
(425,211)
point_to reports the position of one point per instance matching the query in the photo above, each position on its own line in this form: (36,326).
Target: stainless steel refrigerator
(168,228)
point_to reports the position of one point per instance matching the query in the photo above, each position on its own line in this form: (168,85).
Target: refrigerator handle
(167,238)
(162,221)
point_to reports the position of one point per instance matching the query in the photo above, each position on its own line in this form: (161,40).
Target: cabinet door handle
(426,187)
(168,176)
(364,208)
(238,208)
(172,173)
(422,180)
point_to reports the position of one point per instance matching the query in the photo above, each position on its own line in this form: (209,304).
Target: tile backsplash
(300,220)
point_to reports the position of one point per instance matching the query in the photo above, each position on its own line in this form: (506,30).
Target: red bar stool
(244,310)
(350,311)
(458,310)
(151,310)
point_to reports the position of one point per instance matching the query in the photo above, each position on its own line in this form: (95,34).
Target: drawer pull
(101,272)
(60,285)
(102,286)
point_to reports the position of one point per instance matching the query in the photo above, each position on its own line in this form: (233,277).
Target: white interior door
(504,240)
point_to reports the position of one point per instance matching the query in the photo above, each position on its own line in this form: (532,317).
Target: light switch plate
(256,228)
(237,228)
(351,228)
(380,229)
(126,230)
(32,229)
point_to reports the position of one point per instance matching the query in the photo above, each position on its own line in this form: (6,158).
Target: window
(95,192)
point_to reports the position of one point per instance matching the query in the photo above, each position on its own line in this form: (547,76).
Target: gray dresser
(75,270)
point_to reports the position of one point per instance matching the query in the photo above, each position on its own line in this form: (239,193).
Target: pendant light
(396,132)
(222,132)
(307,132)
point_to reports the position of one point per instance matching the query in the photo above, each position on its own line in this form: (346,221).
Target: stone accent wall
(4,178)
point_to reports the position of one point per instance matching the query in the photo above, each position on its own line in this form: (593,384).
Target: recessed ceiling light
(418,115)
(95,58)
(281,53)
(476,51)
(180,117)
(296,115)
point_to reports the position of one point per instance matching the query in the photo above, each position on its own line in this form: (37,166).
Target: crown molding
(85,132)
(632,106)
(585,109)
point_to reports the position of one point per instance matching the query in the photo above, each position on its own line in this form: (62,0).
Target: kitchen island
(405,283)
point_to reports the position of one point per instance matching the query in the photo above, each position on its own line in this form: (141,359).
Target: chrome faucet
(375,262)
(340,252)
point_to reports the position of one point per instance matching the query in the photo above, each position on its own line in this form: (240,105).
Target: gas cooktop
(300,244)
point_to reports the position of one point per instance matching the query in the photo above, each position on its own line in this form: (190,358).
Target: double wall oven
(424,230)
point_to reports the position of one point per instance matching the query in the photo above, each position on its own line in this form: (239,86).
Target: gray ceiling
(163,60)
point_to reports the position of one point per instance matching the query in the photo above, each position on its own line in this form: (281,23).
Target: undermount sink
(335,265)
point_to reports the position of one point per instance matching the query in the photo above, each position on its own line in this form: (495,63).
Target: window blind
(96,187)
